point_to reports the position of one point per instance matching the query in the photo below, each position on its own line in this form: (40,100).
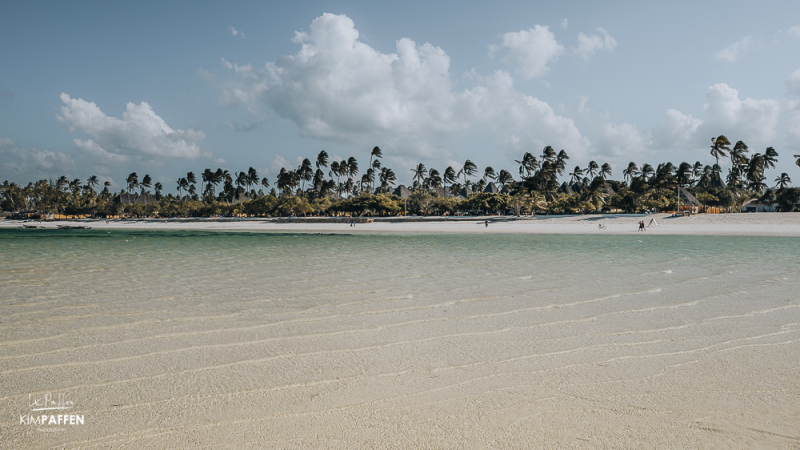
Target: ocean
(302,340)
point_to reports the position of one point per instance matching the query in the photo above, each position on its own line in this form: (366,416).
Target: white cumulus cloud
(755,118)
(338,88)
(140,135)
(795,31)
(732,52)
(589,45)
(678,130)
(620,141)
(793,84)
(530,50)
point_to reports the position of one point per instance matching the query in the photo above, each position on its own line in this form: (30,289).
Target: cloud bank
(732,52)
(141,134)
(589,45)
(338,88)
(531,50)
(30,163)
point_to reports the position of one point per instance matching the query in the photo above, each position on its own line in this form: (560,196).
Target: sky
(163,88)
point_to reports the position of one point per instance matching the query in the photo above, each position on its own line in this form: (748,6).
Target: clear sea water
(194,317)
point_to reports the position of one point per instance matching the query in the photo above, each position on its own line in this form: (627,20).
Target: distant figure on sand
(641,226)
(601,227)
(487,223)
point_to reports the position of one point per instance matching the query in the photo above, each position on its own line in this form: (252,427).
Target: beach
(740,224)
(400,335)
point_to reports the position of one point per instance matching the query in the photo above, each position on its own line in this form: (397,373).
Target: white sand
(750,224)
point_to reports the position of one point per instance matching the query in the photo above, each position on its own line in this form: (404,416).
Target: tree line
(323,187)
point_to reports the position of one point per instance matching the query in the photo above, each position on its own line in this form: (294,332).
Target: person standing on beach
(487,223)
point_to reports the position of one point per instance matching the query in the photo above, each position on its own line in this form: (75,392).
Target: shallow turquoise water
(153,319)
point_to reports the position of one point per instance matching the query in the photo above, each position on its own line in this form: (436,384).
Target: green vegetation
(309,190)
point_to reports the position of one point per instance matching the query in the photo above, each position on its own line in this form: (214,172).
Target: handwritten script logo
(48,402)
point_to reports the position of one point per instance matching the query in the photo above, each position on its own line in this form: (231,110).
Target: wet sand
(749,224)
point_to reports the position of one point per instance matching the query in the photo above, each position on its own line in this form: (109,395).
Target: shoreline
(738,224)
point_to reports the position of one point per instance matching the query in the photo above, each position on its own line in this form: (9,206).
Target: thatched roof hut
(608,188)
(402,191)
(442,191)
(687,197)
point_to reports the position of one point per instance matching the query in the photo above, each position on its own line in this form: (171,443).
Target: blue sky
(107,88)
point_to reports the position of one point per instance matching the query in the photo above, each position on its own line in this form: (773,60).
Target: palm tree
(738,154)
(782,181)
(334,172)
(527,165)
(720,145)
(208,179)
(755,170)
(146,184)
(322,160)
(192,180)
(449,176)
(480,186)
(367,179)
(352,167)
(561,162)
(469,169)
(132,180)
(304,172)
(92,182)
(770,158)
(376,153)
(284,181)
(489,173)
(220,176)
(158,187)
(548,154)
(684,174)
(631,171)
(348,186)
(757,183)
(576,175)
(242,179)
(797,160)
(420,172)
(252,177)
(504,178)
(434,180)
(647,171)
(697,169)
(182,184)
(664,176)
(591,169)
(605,171)
(319,178)
(387,178)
